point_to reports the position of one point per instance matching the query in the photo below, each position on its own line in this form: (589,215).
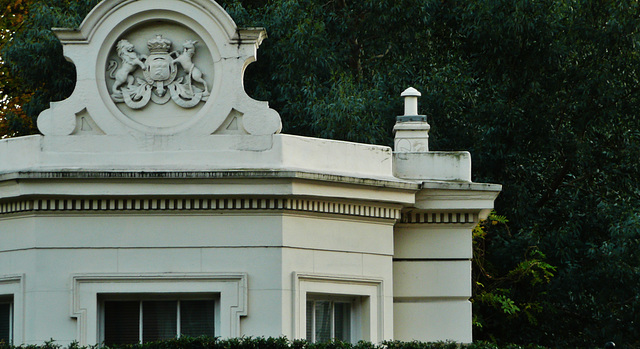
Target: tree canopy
(12,116)
(544,93)
(33,70)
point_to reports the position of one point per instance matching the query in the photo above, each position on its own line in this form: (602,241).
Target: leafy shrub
(275,343)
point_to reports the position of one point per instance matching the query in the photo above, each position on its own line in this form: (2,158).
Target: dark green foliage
(34,57)
(544,93)
(501,294)
(275,343)
(556,122)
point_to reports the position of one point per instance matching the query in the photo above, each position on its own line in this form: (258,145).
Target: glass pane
(121,322)
(5,323)
(196,318)
(159,320)
(342,318)
(323,321)
(310,321)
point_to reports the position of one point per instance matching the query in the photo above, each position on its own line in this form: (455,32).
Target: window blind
(196,318)
(122,323)
(5,323)
(159,320)
(323,321)
(327,320)
(342,321)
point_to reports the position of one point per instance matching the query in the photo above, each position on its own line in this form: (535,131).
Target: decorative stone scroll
(159,70)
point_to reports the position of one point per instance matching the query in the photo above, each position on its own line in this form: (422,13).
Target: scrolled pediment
(158,67)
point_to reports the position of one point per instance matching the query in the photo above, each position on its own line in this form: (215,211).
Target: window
(343,307)
(92,292)
(328,319)
(6,323)
(141,321)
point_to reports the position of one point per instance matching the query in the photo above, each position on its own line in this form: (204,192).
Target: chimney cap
(411,92)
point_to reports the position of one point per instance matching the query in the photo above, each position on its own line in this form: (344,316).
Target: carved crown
(159,44)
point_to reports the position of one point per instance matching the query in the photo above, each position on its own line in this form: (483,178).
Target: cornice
(232,174)
(199,205)
(457,217)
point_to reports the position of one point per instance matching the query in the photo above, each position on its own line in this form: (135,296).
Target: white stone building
(161,200)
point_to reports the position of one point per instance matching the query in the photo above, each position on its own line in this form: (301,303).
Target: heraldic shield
(159,67)
(160,70)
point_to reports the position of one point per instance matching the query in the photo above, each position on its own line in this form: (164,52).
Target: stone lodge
(161,200)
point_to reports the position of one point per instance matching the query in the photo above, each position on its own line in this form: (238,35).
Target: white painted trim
(201,204)
(232,288)
(14,285)
(439,217)
(253,174)
(370,289)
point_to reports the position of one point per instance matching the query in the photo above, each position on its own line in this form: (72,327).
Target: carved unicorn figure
(185,60)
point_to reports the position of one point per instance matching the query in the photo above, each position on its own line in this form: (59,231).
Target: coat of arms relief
(159,81)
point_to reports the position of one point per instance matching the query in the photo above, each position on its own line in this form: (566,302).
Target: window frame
(355,305)
(12,291)
(9,300)
(88,289)
(141,298)
(367,315)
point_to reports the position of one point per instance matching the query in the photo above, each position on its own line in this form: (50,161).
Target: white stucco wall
(200,193)
(50,249)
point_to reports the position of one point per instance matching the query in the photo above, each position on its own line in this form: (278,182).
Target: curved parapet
(159,67)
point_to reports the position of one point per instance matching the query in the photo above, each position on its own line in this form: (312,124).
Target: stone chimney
(411,129)
(412,158)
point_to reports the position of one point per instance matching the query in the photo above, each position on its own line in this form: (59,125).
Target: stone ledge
(444,166)
(196,153)
(239,174)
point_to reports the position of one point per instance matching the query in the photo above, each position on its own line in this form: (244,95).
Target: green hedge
(276,343)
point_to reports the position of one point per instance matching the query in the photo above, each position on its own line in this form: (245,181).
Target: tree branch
(566,167)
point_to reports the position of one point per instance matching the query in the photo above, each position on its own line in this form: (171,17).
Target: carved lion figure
(130,62)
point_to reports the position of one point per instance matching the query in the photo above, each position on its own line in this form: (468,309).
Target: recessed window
(141,321)
(346,308)
(6,323)
(328,320)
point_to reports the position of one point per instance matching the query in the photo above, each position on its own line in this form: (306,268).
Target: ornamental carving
(159,81)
